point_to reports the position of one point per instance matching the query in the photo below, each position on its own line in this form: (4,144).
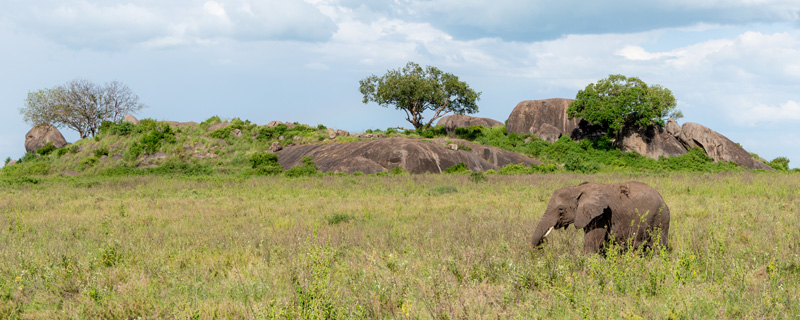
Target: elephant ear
(591,204)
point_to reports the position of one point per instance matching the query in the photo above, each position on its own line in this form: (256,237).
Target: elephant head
(560,213)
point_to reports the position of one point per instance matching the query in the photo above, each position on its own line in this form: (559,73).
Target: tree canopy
(415,90)
(80,105)
(619,102)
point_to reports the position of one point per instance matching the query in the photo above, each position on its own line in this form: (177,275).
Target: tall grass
(386,247)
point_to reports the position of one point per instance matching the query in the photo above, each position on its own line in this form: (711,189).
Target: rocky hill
(539,138)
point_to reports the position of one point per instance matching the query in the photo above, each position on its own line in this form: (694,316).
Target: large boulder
(40,135)
(717,146)
(539,117)
(413,155)
(652,142)
(130,118)
(451,122)
(217,126)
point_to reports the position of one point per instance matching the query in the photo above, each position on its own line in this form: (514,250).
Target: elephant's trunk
(546,225)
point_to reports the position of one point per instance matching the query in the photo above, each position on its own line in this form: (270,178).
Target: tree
(80,105)
(416,90)
(619,102)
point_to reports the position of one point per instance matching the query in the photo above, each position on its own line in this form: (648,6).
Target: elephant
(629,212)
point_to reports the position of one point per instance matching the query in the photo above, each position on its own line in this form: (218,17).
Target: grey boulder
(40,135)
(717,146)
(412,155)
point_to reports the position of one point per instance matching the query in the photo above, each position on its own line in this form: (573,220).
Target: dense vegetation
(153,147)
(410,246)
(619,102)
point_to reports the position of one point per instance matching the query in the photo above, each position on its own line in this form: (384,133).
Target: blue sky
(733,65)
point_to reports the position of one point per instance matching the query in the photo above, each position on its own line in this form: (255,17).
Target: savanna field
(397,246)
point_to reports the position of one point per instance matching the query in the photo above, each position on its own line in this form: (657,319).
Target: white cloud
(114,25)
(753,115)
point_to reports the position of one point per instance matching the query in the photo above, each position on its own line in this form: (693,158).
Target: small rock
(290,125)
(236,133)
(273,124)
(12,162)
(528,140)
(297,138)
(281,138)
(275,147)
(452,146)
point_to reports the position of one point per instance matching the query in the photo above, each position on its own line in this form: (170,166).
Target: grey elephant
(630,212)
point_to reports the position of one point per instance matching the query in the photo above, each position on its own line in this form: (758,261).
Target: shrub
(262,159)
(100,151)
(780,163)
(47,149)
(515,168)
(39,168)
(578,164)
(210,121)
(459,168)
(339,218)
(8,159)
(358,173)
(397,170)
(469,133)
(61,152)
(90,161)
(308,168)
(265,163)
(431,132)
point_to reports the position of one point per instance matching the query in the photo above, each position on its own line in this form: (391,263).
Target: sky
(733,65)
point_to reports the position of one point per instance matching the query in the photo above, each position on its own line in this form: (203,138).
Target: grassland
(408,246)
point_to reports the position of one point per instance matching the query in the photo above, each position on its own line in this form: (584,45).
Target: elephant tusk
(548,232)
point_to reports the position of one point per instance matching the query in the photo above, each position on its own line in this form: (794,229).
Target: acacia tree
(415,90)
(619,102)
(80,105)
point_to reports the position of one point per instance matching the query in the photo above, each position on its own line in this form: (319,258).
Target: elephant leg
(594,240)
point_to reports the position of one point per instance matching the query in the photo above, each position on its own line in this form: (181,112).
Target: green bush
(265,163)
(339,218)
(308,168)
(397,170)
(578,164)
(210,121)
(469,133)
(47,149)
(459,168)
(153,140)
(101,151)
(780,163)
(8,159)
(431,132)
(262,159)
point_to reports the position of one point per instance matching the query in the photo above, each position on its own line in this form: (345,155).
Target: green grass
(397,246)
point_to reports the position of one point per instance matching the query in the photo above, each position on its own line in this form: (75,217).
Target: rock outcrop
(451,122)
(217,126)
(413,155)
(333,133)
(130,118)
(545,118)
(652,142)
(717,146)
(40,135)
